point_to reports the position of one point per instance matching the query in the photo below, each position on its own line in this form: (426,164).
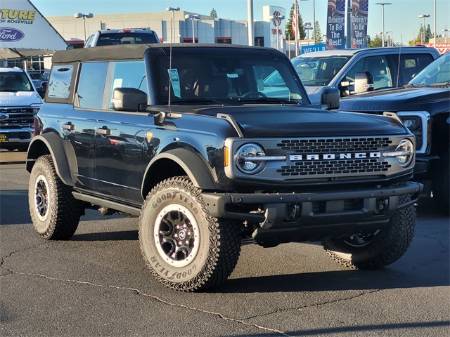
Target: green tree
(428,34)
(317,32)
(213,13)
(375,42)
(290,35)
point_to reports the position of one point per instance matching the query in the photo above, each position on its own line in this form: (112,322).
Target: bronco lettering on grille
(334,156)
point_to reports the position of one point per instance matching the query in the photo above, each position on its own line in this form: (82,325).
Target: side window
(126,74)
(91,85)
(411,65)
(60,80)
(379,69)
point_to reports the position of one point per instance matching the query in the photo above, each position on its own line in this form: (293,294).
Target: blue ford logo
(10,34)
(3,116)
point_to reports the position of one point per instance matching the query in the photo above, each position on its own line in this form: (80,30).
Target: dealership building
(180,29)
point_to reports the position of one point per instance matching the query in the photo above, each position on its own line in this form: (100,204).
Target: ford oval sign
(10,34)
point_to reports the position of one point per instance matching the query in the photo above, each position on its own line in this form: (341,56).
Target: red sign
(441,47)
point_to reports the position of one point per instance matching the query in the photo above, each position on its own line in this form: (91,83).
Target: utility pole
(435,23)
(348,43)
(251,39)
(382,4)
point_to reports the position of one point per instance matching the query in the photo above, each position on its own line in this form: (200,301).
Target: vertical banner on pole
(336,24)
(360,11)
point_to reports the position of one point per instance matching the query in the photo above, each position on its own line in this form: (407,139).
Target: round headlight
(407,149)
(244,157)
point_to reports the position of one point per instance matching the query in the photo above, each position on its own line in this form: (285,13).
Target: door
(122,137)
(81,125)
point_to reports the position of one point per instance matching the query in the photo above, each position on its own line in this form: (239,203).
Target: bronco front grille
(332,146)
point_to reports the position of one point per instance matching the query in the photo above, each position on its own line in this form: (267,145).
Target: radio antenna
(172,32)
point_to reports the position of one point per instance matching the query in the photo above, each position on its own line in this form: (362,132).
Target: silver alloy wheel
(41,198)
(177,235)
(360,240)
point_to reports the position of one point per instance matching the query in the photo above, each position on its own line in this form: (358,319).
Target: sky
(400,17)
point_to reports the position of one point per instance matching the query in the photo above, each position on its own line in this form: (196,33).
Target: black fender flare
(191,163)
(55,147)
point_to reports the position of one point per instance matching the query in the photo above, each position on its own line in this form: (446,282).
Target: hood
(403,99)
(20,98)
(300,121)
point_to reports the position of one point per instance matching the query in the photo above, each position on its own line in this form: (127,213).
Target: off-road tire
(385,248)
(219,244)
(441,185)
(64,211)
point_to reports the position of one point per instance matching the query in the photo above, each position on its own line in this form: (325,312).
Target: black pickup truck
(424,107)
(193,141)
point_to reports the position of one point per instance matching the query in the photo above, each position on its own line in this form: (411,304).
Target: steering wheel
(254,94)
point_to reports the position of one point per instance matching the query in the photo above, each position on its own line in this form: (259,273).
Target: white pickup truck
(19,101)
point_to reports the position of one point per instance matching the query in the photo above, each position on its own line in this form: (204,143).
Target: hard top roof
(351,52)
(130,52)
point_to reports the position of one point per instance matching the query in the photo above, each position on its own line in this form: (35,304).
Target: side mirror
(331,98)
(129,99)
(363,82)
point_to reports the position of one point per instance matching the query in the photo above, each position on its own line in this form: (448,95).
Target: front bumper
(313,215)
(19,136)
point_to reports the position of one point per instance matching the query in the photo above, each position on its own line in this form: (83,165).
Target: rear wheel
(374,250)
(54,211)
(184,247)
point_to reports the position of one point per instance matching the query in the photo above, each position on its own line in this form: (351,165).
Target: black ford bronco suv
(195,142)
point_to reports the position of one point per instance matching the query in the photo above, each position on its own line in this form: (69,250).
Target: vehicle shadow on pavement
(14,207)
(131,235)
(334,281)
(382,328)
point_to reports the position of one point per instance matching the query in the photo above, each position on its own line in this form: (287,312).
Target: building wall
(206,29)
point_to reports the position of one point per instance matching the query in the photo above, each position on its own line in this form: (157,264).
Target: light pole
(84,17)
(251,32)
(193,18)
(173,10)
(422,35)
(435,23)
(382,4)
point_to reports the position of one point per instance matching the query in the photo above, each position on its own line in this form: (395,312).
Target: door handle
(68,126)
(104,131)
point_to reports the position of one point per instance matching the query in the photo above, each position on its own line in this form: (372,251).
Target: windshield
(435,73)
(225,76)
(109,39)
(318,71)
(14,81)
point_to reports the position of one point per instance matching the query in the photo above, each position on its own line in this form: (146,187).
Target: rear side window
(91,85)
(60,81)
(411,65)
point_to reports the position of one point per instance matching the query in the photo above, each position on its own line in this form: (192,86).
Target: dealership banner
(360,11)
(22,26)
(336,24)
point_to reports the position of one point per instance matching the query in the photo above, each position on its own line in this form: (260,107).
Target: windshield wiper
(268,100)
(198,101)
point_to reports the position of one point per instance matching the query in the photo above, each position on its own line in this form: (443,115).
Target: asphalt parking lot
(97,285)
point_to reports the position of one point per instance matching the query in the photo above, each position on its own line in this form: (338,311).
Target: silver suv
(355,71)
(109,37)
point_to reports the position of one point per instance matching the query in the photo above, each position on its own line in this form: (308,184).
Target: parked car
(206,155)
(383,67)
(109,37)
(424,107)
(19,101)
